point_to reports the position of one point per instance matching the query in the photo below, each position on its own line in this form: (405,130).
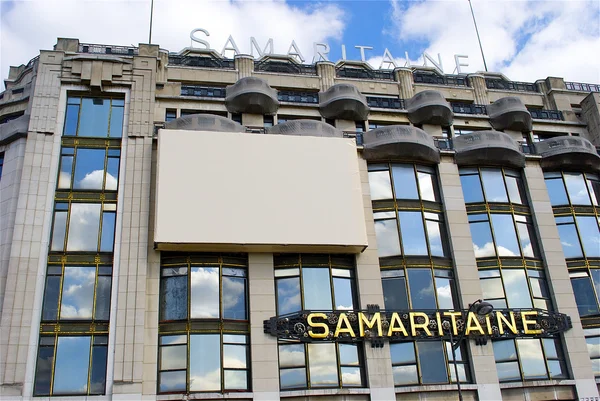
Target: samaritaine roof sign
(375,325)
(321,52)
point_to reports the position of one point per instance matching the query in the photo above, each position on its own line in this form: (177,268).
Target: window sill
(205,396)
(324,391)
(538,383)
(434,387)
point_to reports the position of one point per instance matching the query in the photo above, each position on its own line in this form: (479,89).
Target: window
(87,168)
(204,342)
(268,121)
(586,287)
(579,235)
(1,163)
(592,339)
(515,288)
(317,282)
(379,124)
(170,115)
(492,186)
(502,235)
(529,359)
(237,117)
(567,188)
(71,365)
(360,126)
(94,117)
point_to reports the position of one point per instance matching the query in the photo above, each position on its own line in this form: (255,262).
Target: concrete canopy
(488,148)
(509,113)
(568,152)
(344,102)
(305,128)
(251,95)
(205,122)
(400,141)
(429,107)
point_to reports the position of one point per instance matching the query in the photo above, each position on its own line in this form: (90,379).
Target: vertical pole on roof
(478,38)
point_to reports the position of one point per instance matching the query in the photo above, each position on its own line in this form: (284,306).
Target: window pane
(402,353)
(513,185)
(594,188)
(379,182)
(508,371)
(64,176)
(550,348)
(205,362)
(351,377)
(84,225)
(43,371)
(492,288)
(72,363)
(173,357)
(593,346)
(349,354)
(432,362)
(577,189)
(590,235)
(112,174)
(116,122)
(394,293)
(525,234)
(172,381)
(471,187)
(556,190)
(234,356)
(322,363)
(103,287)
(94,117)
(234,298)
(288,295)
(532,359)
(413,233)
(291,355)
(317,288)
(205,292)
(426,186)
(173,304)
(596,279)
(388,243)
(71,120)
(50,305)
(108,232)
(493,185)
(58,231)
(89,169)
(434,230)
(517,290)
(539,288)
(556,370)
(405,183)
(504,350)
(569,241)
(292,378)
(236,380)
(444,293)
(504,231)
(462,373)
(343,293)
(482,239)
(98,374)
(585,298)
(421,289)
(78,292)
(404,375)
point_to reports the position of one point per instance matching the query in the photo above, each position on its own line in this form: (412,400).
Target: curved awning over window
(489,148)
(400,142)
(251,95)
(429,107)
(306,128)
(344,102)
(568,152)
(509,113)
(205,122)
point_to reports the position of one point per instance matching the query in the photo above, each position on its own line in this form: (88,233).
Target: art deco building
(171,223)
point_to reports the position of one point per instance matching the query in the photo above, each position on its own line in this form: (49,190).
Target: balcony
(298,97)
(400,141)
(385,102)
(488,147)
(285,67)
(429,107)
(541,114)
(107,49)
(251,95)
(577,86)
(500,84)
(344,102)
(432,78)
(468,108)
(509,113)
(363,73)
(568,152)
(206,62)
(203,91)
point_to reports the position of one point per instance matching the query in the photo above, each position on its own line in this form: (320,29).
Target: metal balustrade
(284,67)
(385,102)
(107,49)
(363,73)
(206,62)
(468,108)
(578,86)
(298,97)
(542,114)
(432,78)
(493,83)
(203,91)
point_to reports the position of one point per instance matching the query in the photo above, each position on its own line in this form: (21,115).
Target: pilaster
(326,72)
(244,64)
(478,83)
(404,76)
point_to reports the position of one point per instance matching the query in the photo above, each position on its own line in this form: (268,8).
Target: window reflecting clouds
(528,359)
(410,182)
(94,117)
(508,235)
(492,185)
(515,288)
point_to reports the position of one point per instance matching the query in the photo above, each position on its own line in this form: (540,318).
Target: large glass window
(569,188)
(204,343)
(317,282)
(94,117)
(592,339)
(529,359)
(89,168)
(515,288)
(586,287)
(71,365)
(492,185)
(502,235)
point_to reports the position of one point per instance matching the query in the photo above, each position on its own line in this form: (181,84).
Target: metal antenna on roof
(478,38)
(151,13)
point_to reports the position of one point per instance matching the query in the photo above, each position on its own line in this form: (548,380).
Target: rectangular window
(529,359)
(71,365)
(1,163)
(89,169)
(94,117)
(592,339)
(492,185)
(268,121)
(515,288)
(170,115)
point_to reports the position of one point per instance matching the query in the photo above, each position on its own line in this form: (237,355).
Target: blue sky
(526,40)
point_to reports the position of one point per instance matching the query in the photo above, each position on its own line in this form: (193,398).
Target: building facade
(172,225)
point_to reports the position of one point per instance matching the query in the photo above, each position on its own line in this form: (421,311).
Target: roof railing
(364,73)
(495,83)
(107,49)
(283,67)
(198,61)
(421,77)
(578,86)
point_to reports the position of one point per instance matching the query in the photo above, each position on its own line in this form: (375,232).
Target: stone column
(404,76)
(368,273)
(483,365)
(265,364)
(244,64)
(326,71)
(478,84)
(575,347)
(590,111)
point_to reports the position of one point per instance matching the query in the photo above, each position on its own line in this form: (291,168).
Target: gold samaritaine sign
(374,324)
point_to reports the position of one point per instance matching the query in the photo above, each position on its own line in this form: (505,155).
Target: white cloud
(525,40)
(126,22)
